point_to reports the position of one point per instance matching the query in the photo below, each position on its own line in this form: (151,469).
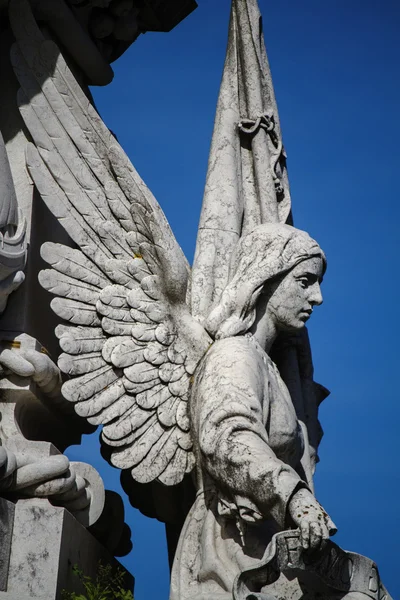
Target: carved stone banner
(333,572)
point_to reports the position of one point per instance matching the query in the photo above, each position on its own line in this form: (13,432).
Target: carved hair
(268,252)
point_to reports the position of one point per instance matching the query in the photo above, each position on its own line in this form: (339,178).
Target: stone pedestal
(47,542)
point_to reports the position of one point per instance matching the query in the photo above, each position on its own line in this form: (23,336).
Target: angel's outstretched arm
(228,424)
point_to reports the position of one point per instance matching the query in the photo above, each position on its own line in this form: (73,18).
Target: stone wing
(130,343)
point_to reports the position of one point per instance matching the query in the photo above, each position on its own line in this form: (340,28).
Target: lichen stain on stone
(32,560)
(37,512)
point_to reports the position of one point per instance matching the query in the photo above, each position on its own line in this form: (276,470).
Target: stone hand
(29,476)
(31,363)
(308,515)
(8,465)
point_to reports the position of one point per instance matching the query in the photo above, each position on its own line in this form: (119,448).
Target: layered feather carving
(129,342)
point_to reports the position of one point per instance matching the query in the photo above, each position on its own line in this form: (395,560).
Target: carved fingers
(35,472)
(31,363)
(59,480)
(314,523)
(76,498)
(23,473)
(54,477)
(46,373)
(314,534)
(8,465)
(15,363)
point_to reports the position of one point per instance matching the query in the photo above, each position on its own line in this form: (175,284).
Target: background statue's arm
(231,435)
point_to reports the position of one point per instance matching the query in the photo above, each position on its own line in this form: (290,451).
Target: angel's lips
(305,315)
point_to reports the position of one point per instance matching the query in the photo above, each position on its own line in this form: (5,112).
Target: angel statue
(175,363)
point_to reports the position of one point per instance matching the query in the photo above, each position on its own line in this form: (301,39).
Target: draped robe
(250,450)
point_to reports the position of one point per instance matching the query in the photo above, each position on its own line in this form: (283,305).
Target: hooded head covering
(269,251)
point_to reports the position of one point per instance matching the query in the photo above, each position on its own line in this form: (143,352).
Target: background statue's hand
(314,523)
(30,476)
(31,363)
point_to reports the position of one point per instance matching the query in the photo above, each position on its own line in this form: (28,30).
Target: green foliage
(108,585)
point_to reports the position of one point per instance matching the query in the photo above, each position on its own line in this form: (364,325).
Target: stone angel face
(294,298)
(275,280)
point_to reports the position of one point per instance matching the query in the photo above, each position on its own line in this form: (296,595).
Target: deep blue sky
(336,72)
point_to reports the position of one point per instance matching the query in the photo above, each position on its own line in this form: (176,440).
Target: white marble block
(47,542)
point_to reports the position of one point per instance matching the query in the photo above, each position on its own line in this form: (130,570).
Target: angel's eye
(304,282)
(307,279)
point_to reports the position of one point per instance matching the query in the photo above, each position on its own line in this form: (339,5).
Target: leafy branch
(108,585)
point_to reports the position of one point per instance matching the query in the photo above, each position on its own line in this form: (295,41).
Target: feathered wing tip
(247,182)
(128,361)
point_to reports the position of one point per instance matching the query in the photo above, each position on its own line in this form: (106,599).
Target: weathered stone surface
(30,466)
(333,574)
(6,531)
(116,382)
(171,390)
(68,23)
(13,233)
(32,411)
(175,364)
(38,469)
(47,542)
(252,450)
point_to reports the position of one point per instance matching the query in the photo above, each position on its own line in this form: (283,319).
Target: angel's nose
(315,297)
